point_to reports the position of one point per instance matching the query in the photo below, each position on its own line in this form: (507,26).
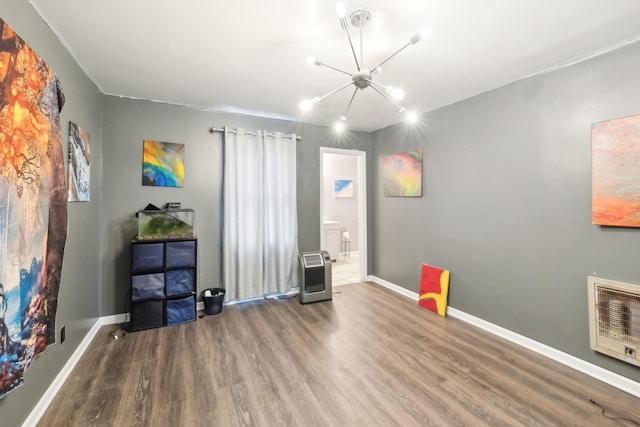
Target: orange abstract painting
(615,162)
(434,288)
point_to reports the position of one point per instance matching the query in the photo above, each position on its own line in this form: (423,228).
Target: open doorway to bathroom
(343,212)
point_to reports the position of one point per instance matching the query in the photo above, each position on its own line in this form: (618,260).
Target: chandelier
(363,77)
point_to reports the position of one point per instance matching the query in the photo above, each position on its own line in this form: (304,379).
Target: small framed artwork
(78,183)
(343,188)
(402,174)
(162,164)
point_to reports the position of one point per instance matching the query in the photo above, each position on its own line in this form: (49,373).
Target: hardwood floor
(370,357)
(346,269)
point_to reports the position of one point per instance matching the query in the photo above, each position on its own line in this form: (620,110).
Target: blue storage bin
(181,310)
(147,286)
(181,254)
(180,281)
(147,256)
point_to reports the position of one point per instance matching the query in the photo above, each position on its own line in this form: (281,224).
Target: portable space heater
(316,277)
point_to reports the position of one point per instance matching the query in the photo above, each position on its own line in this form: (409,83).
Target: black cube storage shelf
(163,282)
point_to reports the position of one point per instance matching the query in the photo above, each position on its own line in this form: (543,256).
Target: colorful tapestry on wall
(33,206)
(79,184)
(402,174)
(434,289)
(163,164)
(615,167)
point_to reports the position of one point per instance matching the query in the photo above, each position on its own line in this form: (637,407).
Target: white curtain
(260,220)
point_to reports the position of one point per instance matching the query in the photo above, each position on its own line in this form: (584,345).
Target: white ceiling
(249,56)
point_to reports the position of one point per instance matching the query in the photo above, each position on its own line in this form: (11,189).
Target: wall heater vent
(614,318)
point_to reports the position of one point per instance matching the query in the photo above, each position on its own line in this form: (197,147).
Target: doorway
(343,213)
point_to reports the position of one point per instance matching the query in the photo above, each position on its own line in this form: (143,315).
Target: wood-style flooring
(370,357)
(346,270)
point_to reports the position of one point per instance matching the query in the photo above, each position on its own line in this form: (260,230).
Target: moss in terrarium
(166,226)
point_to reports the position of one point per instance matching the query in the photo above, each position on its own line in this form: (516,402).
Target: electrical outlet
(62,334)
(629,352)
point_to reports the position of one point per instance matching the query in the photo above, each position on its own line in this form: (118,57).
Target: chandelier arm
(392,55)
(399,107)
(386,89)
(322,64)
(350,102)
(334,91)
(361,48)
(343,21)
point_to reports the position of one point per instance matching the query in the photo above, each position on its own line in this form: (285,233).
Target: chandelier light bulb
(411,117)
(341,10)
(307,104)
(311,60)
(339,126)
(424,32)
(395,92)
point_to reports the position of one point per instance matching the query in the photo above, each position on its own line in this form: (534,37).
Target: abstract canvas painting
(33,206)
(343,188)
(79,156)
(434,289)
(402,174)
(615,169)
(163,164)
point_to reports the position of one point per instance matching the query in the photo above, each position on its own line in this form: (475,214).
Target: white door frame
(361,186)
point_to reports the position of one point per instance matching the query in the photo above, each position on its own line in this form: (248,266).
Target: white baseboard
(62,376)
(113,319)
(622,383)
(393,287)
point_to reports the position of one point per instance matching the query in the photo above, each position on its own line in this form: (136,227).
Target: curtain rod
(215,129)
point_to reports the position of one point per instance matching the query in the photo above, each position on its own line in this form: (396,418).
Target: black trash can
(213,300)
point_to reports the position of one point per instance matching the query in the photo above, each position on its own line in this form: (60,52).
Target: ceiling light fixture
(362,78)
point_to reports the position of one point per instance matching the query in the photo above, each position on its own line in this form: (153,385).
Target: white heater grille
(614,318)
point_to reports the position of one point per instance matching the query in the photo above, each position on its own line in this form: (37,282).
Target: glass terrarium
(166,223)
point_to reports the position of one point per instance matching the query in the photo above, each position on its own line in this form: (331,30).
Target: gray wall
(343,210)
(128,122)
(507,203)
(78,303)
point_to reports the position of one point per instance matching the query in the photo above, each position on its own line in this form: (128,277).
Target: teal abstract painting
(343,188)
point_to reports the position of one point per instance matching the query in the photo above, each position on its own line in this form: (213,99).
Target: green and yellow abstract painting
(402,174)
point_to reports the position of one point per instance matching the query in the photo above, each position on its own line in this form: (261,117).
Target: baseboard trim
(407,293)
(46,399)
(618,381)
(113,319)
